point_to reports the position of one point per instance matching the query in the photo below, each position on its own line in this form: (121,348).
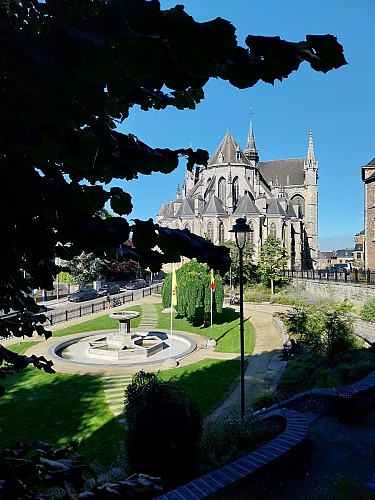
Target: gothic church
(278,197)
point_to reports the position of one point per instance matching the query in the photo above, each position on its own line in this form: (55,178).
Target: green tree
(71,72)
(194,290)
(250,267)
(85,267)
(272,259)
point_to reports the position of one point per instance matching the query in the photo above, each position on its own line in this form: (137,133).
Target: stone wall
(357,294)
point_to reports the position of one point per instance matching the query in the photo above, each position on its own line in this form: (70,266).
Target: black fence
(359,276)
(97,305)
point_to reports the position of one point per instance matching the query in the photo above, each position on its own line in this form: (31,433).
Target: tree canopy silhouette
(71,72)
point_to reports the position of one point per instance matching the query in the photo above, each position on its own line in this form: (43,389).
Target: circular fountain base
(75,350)
(118,347)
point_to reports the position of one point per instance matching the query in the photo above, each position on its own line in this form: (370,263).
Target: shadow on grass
(234,327)
(226,316)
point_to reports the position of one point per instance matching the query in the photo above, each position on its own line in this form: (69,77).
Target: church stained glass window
(210,231)
(222,190)
(236,191)
(221,232)
(298,203)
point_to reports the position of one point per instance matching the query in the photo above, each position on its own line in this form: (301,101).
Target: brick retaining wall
(255,470)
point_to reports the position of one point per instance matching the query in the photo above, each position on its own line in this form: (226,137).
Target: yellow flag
(174,287)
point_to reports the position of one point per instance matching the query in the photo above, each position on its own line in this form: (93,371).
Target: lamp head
(240,229)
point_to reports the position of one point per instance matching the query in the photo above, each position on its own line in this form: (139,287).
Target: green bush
(164,427)
(228,438)
(264,400)
(257,293)
(368,310)
(325,327)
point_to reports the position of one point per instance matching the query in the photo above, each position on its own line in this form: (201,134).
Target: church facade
(278,198)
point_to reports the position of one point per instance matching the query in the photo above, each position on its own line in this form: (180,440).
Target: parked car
(83,295)
(109,288)
(344,267)
(135,284)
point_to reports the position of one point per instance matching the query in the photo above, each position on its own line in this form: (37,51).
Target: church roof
(169,213)
(274,207)
(371,163)
(186,208)
(163,209)
(285,172)
(290,211)
(246,206)
(214,207)
(228,151)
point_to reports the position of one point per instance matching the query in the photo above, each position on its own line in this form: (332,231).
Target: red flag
(212,280)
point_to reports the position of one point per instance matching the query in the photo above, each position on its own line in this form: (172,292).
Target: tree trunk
(271,286)
(207,319)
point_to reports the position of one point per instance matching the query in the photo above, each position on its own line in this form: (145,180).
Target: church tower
(311,201)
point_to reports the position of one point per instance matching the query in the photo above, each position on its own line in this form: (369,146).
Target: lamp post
(240,230)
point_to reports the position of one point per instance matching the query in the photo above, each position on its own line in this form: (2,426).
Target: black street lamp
(240,229)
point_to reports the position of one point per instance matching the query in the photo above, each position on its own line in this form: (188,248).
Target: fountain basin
(141,346)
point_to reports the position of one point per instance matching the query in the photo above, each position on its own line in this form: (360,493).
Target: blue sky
(338,107)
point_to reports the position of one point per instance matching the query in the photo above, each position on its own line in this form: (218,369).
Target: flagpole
(172,307)
(170,362)
(212,292)
(211,342)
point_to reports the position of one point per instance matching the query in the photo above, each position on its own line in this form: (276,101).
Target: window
(221,232)
(273,229)
(235,191)
(210,231)
(238,155)
(250,236)
(221,157)
(222,190)
(187,227)
(298,203)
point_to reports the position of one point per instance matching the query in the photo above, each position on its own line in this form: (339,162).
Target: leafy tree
(163,426)
(70,72)
(272,259)
(85,267)
(250,268)
(194,290)
(115,270)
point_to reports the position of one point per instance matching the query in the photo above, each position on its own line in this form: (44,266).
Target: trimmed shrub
(164,427)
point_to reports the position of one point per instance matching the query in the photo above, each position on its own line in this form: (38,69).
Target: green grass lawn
(225,328)
(56,408)
(101,323)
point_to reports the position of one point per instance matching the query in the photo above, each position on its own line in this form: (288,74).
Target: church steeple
(251,151)
(310,164)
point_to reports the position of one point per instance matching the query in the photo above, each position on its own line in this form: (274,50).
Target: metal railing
(97,305)
(358,276)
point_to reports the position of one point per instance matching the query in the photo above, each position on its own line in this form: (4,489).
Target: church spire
(251,150)
(310,150)
(310,163)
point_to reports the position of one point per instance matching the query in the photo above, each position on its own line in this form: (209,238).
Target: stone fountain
(124,344)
